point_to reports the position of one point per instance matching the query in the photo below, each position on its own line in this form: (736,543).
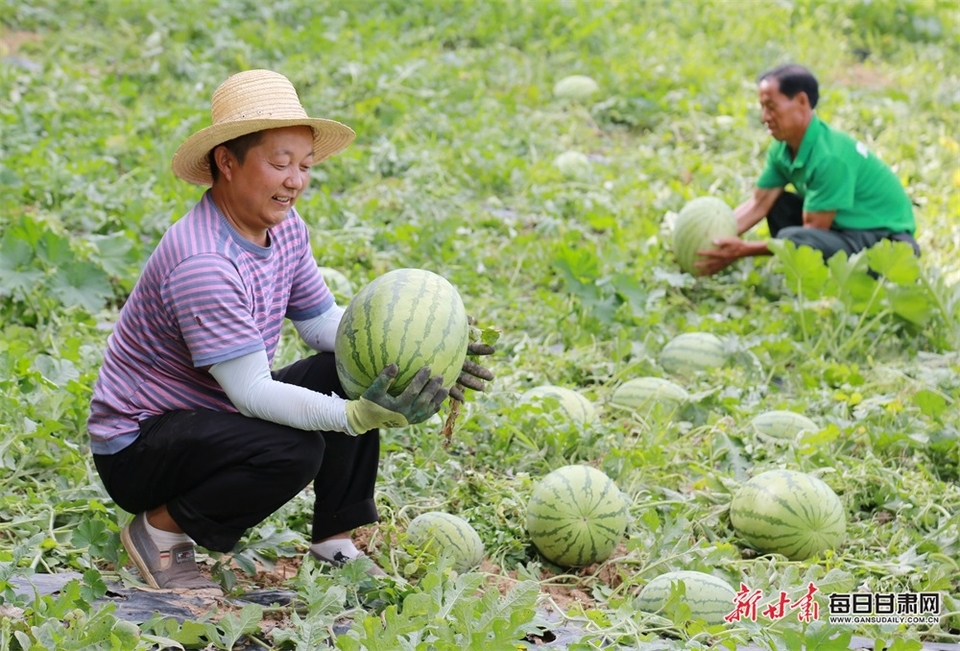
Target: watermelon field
(796,452)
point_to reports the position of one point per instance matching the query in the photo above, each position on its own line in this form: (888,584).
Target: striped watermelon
(782,424)
(700,222)
(692,352)
(576,516)
(409,316)
(574,405)
(790,513)
(444,533)
(710,598)
(575,87)
(338,283)
(643,393)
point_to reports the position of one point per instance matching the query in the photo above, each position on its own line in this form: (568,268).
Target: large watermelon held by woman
(790,513)
(700,222)
(410,317)
(576,516)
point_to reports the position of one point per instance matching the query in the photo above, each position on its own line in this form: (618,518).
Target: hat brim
(191,161)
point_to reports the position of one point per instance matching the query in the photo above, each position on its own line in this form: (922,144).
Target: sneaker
(175,569)
(339,560)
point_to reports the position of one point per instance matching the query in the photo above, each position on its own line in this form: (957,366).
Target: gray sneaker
(339,560)
(176,569)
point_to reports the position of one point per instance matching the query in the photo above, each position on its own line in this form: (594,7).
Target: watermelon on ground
(445,533)
(410,317)
(576,516)
(699,223)
(790,513)
(782,424)
(575,87)
(572,164)
(644,393)
(709,598)
(692,352)
(573,404)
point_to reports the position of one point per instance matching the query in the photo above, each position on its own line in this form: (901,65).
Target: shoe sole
(134,555)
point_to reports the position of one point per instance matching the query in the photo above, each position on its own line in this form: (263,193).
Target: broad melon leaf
(803,267)
(931,403)
(17,276)
(910,304)
(895,261)
(81,284)
(58,371)
(54,249)
(116,254)
(856,287)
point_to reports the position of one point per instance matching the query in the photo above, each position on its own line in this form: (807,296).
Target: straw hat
(253,101)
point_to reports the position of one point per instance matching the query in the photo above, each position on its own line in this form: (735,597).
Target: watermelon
(572,164)
(574,405)
(790,513)
(692,352)
(445,533)
(710,598)
(410,317)
(700,222)
(782,424)
(576,516)
(338,283)
(643,393)
(575,87)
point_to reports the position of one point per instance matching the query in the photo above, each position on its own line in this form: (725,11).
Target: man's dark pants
(222,473)
(785,221)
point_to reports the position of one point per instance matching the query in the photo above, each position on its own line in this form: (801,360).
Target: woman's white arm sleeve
(247,382)
(320,332)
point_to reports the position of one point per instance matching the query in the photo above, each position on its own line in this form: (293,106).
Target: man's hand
(728,251)
(376,408)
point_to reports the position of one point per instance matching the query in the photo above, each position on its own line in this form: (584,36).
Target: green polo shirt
(832,171)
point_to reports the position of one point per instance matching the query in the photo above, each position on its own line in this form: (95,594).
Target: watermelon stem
(447,430)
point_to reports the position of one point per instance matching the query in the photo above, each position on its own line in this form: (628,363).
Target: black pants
(221,473)
(785,221)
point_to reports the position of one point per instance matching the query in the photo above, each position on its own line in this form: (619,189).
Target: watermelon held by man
(699,223)
(409,317)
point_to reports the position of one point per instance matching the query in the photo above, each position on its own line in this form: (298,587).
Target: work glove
(473,375)
(376,408)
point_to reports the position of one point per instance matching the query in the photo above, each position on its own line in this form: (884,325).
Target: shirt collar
(810,137)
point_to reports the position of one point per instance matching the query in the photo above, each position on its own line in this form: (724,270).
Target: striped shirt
(206,295)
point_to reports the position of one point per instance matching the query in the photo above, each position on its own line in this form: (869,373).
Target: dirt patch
(10,42)
(862,76)
(564,591)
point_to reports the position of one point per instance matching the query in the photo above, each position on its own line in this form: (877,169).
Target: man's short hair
(238,147)
(792,79)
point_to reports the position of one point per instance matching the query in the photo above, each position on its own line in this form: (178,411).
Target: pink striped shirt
(206,295)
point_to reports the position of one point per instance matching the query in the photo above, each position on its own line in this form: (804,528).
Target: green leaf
(81,284)
(802,266)
(92,533)
(930,403)
(894,261)
(911,303)
(233,626)
(17,274)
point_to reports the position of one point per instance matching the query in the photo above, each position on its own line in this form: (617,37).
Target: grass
(454,170)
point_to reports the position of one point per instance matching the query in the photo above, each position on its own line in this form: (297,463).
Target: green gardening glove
(376,408)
